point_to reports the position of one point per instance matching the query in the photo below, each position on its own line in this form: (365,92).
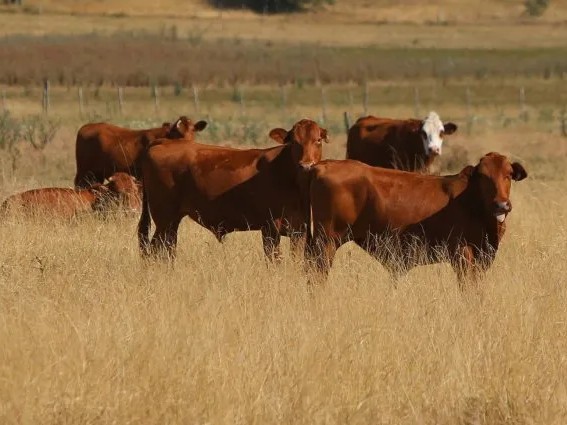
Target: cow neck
(283,163)
(412,153)
(157,132)
(473,202)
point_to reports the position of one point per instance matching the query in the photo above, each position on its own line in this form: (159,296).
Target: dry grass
(91,335)
(329,29)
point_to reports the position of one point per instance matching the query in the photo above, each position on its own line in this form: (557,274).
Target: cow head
(493,175)
(432,132)
(124,189)
(306,140)
(185,129)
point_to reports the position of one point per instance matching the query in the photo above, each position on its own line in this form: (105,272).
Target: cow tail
(305,189)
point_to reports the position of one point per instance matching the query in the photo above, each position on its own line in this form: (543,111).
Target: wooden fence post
(120,100)
(470,118)
(240,94)
(346,118)
(283,93)
(523,109)
(4,107)
(155,95)
(81,107)
(366,98)
(196,99)
(323,105)
(45,97)
(563,119)
(417,102)
(350,100)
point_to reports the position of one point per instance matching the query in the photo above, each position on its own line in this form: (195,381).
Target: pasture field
(89,333)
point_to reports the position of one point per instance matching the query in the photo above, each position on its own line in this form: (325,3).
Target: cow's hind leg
(164,241)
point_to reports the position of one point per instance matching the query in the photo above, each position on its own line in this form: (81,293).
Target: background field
(90,334)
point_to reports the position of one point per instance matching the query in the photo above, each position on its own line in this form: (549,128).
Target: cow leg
(164,241)
(466,267)
(271,242)
(319,255)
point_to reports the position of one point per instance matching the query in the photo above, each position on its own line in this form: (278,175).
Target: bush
(10,136)
(269,6)
(536,7)
(39,131)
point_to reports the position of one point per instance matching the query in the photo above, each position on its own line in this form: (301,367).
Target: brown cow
(406,219)
(102,149)
(66,203)
(226,189)
(410,145)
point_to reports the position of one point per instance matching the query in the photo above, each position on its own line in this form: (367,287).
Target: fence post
(346,118)
(470,118)
(563,119)
(366,97)
(81,108)
(283,92)
(350,99)
(45,97)
(120,100)
(4,108)
(196,99)
(523,110)
(323,105)
(417,102)
(240,93)
(155,95)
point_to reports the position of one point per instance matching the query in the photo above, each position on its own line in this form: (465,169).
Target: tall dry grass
(90,334)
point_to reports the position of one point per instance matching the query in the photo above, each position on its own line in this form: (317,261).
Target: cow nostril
(503,206)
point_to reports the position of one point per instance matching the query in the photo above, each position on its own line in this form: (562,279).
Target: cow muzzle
(501,210)
(434,151)
(306,165)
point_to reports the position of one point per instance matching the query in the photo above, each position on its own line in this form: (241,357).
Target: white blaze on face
(432,130)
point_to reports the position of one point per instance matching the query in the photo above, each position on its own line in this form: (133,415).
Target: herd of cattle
(382,196)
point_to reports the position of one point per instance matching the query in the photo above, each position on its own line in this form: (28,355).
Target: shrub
(10,136)
(536,7)
(269,6)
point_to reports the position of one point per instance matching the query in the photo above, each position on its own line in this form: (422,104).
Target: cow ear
(518,172)
(468,171)
(279,135)
(166,125)
(450,128)
(200,125)
(182,124)
(324,135)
